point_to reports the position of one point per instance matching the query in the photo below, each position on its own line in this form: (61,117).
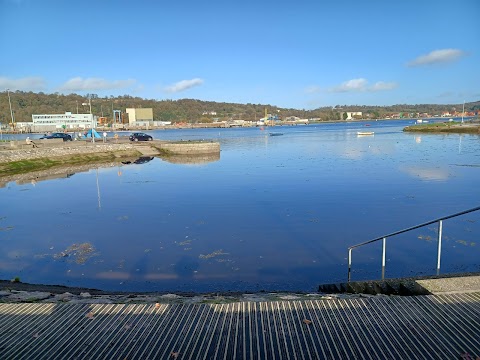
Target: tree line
(24,104)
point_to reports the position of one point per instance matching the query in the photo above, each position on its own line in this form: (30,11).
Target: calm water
(272,213)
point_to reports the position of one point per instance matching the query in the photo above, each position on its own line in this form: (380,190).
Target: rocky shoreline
(19,292)
(93,297)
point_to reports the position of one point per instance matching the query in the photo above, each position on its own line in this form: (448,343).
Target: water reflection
(63,172)
(427,174)
(192,159)
(140,160)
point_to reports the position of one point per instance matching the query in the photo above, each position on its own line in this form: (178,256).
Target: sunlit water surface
(271,213)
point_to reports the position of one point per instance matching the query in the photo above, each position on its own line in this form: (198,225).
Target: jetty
(17,157)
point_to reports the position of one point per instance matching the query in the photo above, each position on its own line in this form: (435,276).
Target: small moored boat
(364,133)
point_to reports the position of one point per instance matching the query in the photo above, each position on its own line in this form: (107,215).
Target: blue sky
(293,54)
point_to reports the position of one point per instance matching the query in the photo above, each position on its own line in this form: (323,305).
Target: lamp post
(91,116)
(11,111)
(463,111)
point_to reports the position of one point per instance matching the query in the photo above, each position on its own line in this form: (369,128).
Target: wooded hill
(24,104)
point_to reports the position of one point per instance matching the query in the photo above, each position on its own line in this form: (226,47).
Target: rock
(25,296)
(170,297)
(64,297)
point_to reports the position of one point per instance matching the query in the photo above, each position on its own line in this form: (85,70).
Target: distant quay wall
(191,147)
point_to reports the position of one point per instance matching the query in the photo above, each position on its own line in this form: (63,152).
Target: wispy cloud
(26,84)
(437,57)
(361,85)
(312,89)
(383,86)
(89,84)
(183,85)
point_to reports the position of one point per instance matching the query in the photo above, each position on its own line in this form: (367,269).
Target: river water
(270,213)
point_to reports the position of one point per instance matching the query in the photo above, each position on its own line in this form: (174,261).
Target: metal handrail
(384,238)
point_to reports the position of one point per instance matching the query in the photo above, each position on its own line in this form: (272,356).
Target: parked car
(65,137)
(140,137)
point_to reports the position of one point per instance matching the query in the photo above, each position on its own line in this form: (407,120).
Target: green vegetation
(164,152)
(450,127)
(24,104)
(25,166)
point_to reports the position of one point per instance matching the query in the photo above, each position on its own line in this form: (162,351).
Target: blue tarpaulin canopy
(95,133)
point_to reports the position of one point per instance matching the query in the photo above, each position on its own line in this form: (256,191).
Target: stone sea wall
(10,153)
(190,148)
(62,151)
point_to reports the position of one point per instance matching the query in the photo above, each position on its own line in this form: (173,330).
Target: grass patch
(25,166)
(450,127)
(163,152)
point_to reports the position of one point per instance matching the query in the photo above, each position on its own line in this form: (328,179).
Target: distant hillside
(24,104)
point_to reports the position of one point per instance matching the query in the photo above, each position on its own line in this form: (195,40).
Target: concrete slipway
(443,325)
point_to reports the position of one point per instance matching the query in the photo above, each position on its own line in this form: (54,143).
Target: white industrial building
(353,114)
(46,122)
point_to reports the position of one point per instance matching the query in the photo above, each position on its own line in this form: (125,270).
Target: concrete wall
(189,148)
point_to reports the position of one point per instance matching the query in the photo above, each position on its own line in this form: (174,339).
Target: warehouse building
(140,116)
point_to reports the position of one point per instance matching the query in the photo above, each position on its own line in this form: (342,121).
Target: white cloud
(351,85)
(312,89)
(361,84)
(88,84)
(25,84)
(437,57)
(382,86)
(183,85)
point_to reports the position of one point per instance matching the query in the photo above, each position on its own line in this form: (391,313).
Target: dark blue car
(65,137)
(140,137)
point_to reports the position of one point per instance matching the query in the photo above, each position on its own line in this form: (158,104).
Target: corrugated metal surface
(422,327)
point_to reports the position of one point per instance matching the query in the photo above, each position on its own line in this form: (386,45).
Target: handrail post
(439,250)
(349,263)
(383,257)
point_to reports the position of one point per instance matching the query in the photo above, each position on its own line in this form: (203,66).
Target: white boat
(365,133)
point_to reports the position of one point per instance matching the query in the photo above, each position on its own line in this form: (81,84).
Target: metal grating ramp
(420,327)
